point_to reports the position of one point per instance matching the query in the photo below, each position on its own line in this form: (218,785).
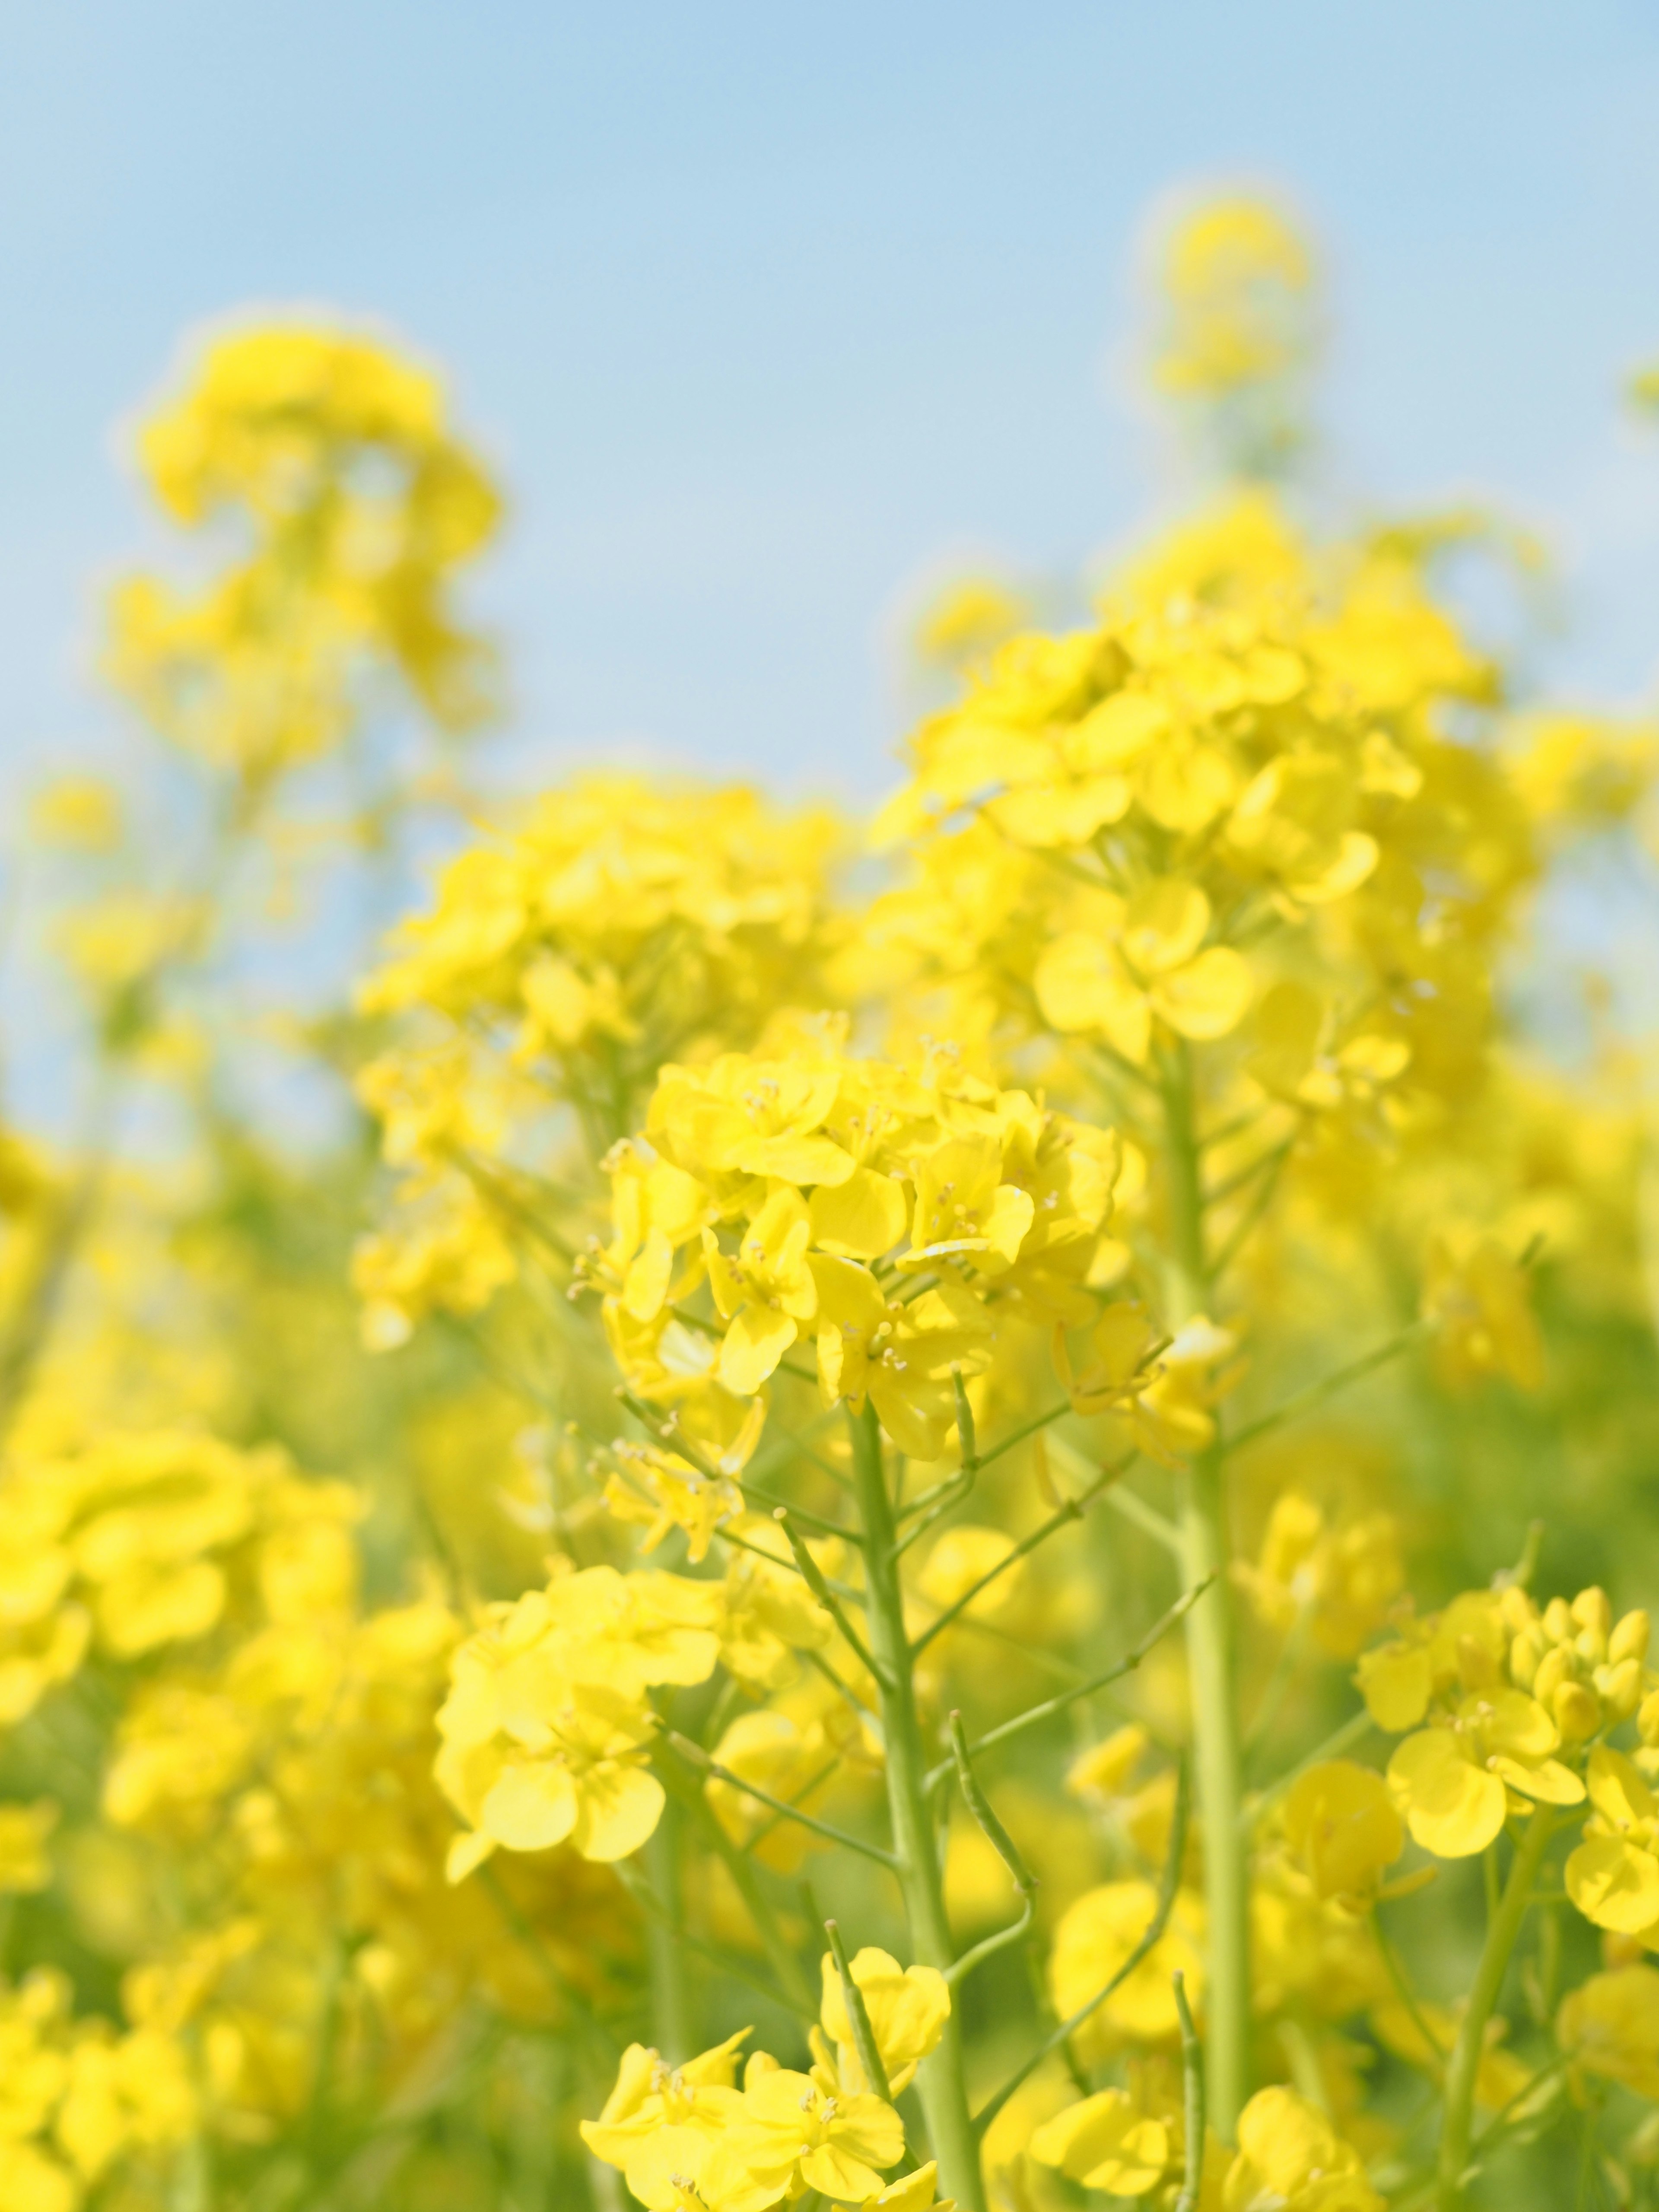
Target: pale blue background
(760,307)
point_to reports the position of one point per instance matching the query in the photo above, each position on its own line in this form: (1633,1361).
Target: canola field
(951,1510)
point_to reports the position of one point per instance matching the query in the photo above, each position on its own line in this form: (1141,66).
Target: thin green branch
(958,1974)
(816,1580)
(1268,1163)
(648,1902)
(974,1797)
(1035,1715)
(1148,1518)
(1192,2069)
(1073,1509)
(695,1756)
(1328,1386)
(1167,1889)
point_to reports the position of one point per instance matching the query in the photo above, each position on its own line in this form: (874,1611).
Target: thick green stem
(671,1997)
(1504,1927)
(1204,1557)
(940,2079)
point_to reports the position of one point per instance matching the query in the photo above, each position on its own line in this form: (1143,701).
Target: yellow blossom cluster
(872,1211)
(890,1378)
(356,501)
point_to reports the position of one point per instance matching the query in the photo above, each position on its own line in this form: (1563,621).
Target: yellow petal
(1081,987)
(1208,998)
(1396,1682)
(621,1807)
(1614,1885)
(1452,1808)
(1164,925)
(752,1347)
(1548,1781)
(531,1807)
(861,1217)
(803,1160)
(1617,1790)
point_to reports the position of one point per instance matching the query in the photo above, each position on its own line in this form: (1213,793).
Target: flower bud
(1578,1711)
(1555,1669)
(1629,1640)
(1516,1610)
(1647,1719)
(1594,1616)
(1620,1687)
(1558,1621)
(1524,1654)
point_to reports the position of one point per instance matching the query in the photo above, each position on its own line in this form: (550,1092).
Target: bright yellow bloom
(25,1862)
(1107,2144)
(1342,1829)
(1477,1298)
(650,2094)
(875,1212)
(1342,1579)
(1610,2026)
(547,1727)
(1292,2159)
(1613,1877)
(1145,962)
(907,2007)
(1456,1782)
(792,2136)
(1094,1940)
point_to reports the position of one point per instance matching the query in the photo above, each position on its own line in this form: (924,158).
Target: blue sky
(762,309)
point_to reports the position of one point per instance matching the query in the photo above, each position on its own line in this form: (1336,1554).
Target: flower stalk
(1464,2069)
(1204,1554)
(940,2078)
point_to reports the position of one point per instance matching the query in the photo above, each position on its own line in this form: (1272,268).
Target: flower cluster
(873,1212)
(357,501)
(1512,1697)
(688,2139)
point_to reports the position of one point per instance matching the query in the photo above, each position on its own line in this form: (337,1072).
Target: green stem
(671,1998)
(1202,1524)
(940,2079)
(1501,1934)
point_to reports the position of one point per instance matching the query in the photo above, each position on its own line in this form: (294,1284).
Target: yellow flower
(1342,1579)
(968,619)
(915,2193)
(1456,1782)
(1146,961)
(650,2094)
(1610,2026)
(765,1294)
(1106,2143)
(1237,276)
(1613,1877)
(1476,1296)
(1292,2159)
(1092,1943)
(80,813)
(663,1491)
(1342,1829)
(546,1728)
(678,2169)
(907,2007)
(792,2136)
